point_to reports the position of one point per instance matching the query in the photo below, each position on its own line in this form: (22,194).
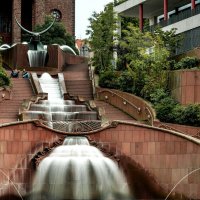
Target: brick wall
(16,31)
(184,86)
(167,156)
(18,144)
(39,10)
(67,8)
(38,13)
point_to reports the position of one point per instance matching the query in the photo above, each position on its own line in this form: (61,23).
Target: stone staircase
(9,109)
(77,81)
(55,112)
(111,113)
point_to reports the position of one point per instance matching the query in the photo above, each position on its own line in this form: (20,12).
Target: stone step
(54,108)
(21,89)
(59,116)
(112,113)
(79,75)
(76,67)
(57,102)
(81,88)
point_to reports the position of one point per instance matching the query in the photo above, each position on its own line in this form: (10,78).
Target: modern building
(32,12)
(184,15)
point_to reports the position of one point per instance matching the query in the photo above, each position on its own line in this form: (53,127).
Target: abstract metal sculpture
(37,54)
(35,43)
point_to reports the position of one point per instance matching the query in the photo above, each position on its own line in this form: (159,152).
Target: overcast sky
(84,10)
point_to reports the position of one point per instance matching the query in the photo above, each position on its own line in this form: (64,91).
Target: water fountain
(78,171)
(33,51)
(57,113)
(36,53)
(74,170)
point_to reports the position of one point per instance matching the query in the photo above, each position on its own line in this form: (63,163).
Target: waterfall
(78,171)
(37,58)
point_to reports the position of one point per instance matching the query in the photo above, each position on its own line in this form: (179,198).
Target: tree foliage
(4,78)
(186,63)
(146,60)
(169,110)
(171,40)
(101,34)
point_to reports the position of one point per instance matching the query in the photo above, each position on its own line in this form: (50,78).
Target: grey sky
(84,10)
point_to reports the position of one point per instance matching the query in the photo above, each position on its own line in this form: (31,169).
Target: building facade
(32,12)
(184,15)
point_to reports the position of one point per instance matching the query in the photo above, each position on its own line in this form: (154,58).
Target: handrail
(149,115)
(129,103)
(176,18)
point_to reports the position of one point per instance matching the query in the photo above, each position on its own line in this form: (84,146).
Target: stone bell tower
(32,12)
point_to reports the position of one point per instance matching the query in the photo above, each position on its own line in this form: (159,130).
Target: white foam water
(78,171)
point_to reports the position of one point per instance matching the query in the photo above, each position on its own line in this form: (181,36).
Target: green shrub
(164,110)
(158,95)
(187,63)
(189,115)
(126,82)
(168,110)
(4,79)
(178,113)
(109,79)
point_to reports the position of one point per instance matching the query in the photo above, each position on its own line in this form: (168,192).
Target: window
(57,14)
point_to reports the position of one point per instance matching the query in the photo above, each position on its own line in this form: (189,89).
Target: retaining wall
(167,156)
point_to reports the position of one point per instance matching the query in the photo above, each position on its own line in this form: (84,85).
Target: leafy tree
(101,34)
(124,21)
(55,35)
(186,63)
(146,59)
(4,78)
(109,79)
(126,82)
(171,40)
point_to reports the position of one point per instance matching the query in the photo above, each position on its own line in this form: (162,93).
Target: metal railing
(191,40)
(181,15)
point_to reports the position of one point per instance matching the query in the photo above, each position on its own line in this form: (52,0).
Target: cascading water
(51,86)
(78,171)
(58,113)
(37,57)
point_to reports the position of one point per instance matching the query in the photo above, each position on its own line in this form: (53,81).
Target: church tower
(32,12)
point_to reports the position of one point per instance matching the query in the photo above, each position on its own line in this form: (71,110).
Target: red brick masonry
(185,86)
(167,155)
